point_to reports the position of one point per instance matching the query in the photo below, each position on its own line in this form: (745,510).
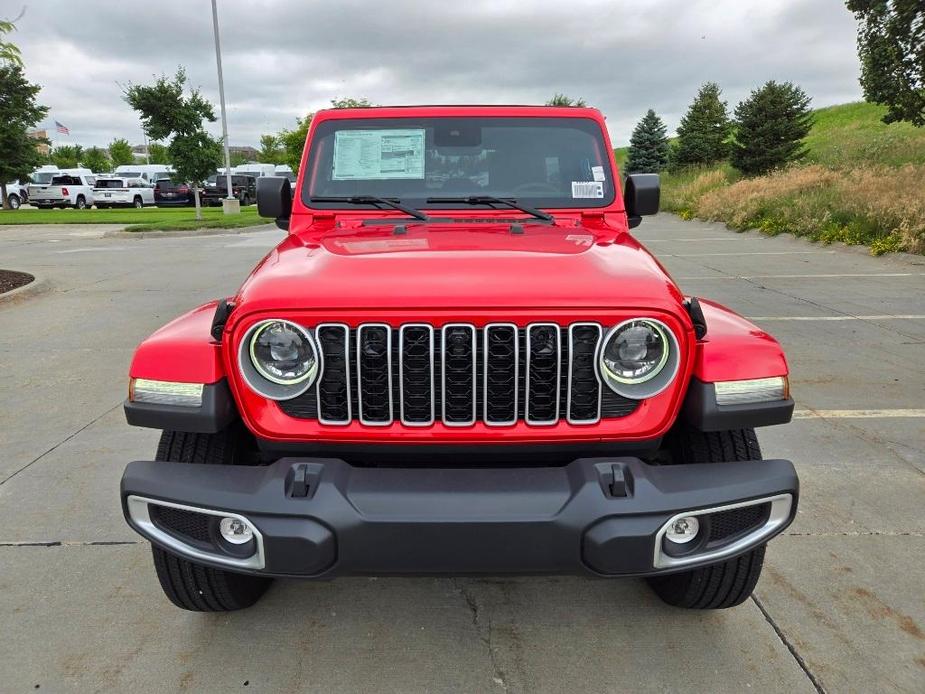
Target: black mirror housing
(641,196)
(274,199)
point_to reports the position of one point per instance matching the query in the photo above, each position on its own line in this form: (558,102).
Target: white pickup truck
(64,190)
(113,191)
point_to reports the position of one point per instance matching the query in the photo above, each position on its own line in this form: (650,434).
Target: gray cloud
(284,59)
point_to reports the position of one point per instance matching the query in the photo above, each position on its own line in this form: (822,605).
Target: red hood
(467,266)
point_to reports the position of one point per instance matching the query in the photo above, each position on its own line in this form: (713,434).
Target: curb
(184,233)
(37,286)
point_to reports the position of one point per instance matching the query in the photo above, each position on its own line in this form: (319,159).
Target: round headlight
(639,358)
(278,359)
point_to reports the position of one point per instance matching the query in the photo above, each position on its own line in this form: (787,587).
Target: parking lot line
(857,414)
(743,253)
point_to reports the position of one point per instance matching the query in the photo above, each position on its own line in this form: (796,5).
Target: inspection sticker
(371,155)
(597,173)
(587,189)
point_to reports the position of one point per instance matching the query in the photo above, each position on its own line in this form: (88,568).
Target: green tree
(270,150)
(703,135)
(158,153)
(563,100)
(19,112)
(350,102)
(9,52)
(292,142)
(67,156)
(891,46)
(770,126)
(120,152)
(648,150)
(237,158)
(96,159)
(168,111)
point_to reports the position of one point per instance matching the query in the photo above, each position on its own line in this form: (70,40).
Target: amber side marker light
(165,392)
(752,390)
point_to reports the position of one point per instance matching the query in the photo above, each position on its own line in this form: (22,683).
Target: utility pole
(221,96)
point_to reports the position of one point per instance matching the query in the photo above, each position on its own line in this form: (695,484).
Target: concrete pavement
(840,607)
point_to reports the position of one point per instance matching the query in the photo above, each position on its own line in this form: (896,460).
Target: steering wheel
(536,187)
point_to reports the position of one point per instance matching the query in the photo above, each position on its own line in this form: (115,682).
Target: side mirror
(641,194)
(274,199)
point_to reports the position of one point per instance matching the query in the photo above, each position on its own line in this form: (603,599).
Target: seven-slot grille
(458,374)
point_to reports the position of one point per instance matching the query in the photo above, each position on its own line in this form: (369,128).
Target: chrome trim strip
(527,419)
(139,513)
(401,380)
(516,330)
(781,506)
(600,386)
(443,373)
(346,329)
(360,330)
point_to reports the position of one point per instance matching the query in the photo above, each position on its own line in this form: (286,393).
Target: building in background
(43,147)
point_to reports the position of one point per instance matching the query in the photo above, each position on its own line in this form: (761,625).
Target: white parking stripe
(908,316)
(789,277)
(856,414)
(702,255)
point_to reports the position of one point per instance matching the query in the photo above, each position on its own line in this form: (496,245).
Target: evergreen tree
(704,131)
(648,151)
(770,126)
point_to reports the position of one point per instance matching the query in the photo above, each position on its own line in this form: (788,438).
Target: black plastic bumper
(595,515)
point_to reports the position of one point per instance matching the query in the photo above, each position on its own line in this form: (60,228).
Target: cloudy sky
(284,58)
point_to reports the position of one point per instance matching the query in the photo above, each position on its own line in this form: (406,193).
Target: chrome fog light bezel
(778,517)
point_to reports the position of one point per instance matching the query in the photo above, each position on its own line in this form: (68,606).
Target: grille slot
(544,371)
(374,374)
(333,388)
(458,374)
(182,522)
(416,374)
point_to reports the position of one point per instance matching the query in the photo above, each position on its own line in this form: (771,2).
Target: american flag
(61,128)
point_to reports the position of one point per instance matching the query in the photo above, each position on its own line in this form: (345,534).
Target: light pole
(221,96)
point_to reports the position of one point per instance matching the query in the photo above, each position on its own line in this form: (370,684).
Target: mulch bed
(10,279)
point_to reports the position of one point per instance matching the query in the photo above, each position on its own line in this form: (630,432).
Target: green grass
(148,219)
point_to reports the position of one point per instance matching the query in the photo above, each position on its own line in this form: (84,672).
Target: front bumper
(599,516)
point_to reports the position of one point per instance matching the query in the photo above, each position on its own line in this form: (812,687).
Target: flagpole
(221,96)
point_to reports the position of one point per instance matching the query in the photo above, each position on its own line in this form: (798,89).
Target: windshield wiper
(394,203)
(490,200)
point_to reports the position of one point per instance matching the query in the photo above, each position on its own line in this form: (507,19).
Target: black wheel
(246,200)
(81,203)
(15,202)
(186,584)
(137,203)
(731,582)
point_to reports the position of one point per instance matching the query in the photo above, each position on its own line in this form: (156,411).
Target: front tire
(81,203)
(14,201)
(138,204)
(727,583)
(188,585)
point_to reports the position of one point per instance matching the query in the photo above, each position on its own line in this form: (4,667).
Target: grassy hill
(861,182)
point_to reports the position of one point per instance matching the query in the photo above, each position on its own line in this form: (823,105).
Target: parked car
(171,193)
(122,192)
(492,378)
(244,188)
(17,193)
(64,190)
(149,172)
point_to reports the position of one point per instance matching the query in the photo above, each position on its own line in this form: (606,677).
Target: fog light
(236,531)
(683,530)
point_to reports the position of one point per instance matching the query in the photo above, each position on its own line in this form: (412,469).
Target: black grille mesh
(182,522)
(726,524)
(498,362)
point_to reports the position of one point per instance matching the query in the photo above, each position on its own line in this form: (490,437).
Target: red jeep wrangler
(459,361)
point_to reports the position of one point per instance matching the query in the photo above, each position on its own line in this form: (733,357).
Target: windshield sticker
(598,173)
(587,189)
(375,155)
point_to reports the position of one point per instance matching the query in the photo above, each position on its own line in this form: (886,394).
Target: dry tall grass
(880,206)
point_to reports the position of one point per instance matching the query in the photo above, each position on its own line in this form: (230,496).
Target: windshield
(130,174)
(109,183)
(41,178)
(542,162)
